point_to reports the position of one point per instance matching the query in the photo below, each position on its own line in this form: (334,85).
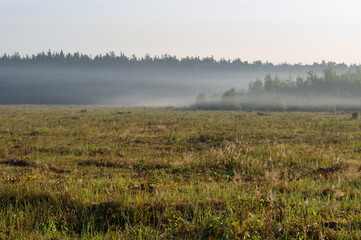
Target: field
(136,173)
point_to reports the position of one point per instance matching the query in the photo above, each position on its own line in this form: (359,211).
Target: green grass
(174,174)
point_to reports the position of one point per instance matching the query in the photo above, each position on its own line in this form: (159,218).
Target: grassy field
(134,173)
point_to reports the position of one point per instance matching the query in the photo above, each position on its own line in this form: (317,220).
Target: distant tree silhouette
(274,93)
(111,59)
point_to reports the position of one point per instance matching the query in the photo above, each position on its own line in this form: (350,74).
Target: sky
(278,31)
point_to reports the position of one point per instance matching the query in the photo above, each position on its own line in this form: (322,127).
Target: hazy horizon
(162,55)
(278,31)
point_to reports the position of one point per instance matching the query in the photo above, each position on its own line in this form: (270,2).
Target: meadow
(157,173)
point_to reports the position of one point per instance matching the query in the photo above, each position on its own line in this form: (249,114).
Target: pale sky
(278,31)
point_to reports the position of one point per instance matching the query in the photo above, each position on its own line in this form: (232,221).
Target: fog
(329,91)
(281,102)
(71,85)
(76,79)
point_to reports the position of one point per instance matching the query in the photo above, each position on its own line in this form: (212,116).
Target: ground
(150,173)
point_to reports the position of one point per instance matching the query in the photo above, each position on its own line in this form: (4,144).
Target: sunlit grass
(175,174)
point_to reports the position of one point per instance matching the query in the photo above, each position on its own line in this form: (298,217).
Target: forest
(112,59)
(116,79)
(329,91)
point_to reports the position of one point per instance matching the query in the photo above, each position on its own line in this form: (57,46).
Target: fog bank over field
(58,78)
(329,91)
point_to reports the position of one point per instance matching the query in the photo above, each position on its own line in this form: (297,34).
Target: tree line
(328,91)
(112,59)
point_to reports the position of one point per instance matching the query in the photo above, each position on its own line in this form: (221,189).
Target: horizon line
(23,56)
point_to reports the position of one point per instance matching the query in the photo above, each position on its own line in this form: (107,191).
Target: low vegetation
(177,174)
